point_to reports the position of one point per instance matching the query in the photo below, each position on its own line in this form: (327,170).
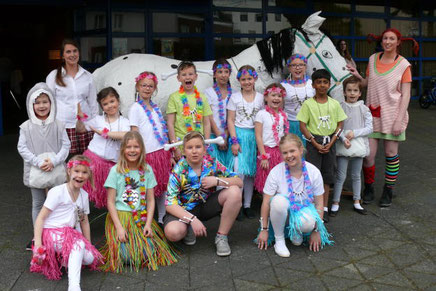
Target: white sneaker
(297,239)
(281,249)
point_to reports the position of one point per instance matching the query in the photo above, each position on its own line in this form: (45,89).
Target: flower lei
(73,163)
(295,206)
(277,121)
(142,218)
(223,66)
(146,75)
(296,56)
(295,82)
(186,110)
(221,109)
(162,139)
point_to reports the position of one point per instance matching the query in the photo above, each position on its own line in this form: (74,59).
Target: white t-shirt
(245,111)
(295,96)
(139,119)
(276,182)
(107,149)
(212,97)
(79,89)
(267,121)
(64,210)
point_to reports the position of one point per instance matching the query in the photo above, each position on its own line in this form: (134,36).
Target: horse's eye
(173,66)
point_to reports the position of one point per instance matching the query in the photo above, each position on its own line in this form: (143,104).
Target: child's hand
(350,135)
(147,231)
(121,235)
(347,143)
(223,147)
(198,227)
(264,164)
(262,240)
(173,162)
(177,154)
(208,182)
(236,149)
(315,241)
(47,166)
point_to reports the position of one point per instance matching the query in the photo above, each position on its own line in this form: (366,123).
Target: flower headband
(222,66)
(274,89)
(77,163)
(247,72)
(146,75)
(296,56)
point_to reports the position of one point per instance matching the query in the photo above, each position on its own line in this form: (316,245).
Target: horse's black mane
(276,49)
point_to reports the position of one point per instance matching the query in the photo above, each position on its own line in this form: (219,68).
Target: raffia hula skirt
(67,238)
(222,156)
(248,155)
(160,162)
(100,170)
(261,173)
(139,251)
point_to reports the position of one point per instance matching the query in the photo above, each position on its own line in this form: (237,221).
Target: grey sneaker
(190,238)
(222,245)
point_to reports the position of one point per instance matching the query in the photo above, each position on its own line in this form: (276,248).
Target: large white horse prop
(267,56)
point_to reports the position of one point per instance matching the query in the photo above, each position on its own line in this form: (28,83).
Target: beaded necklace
(162,139)
(188,114)
(131,197)
(275,126)
(294,205)
(221,105)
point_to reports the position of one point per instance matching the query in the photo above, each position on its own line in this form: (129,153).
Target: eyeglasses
(147,86)
(297,66)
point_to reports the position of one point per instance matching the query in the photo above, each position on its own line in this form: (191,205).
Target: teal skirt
(223,157)
(248,155)
(294,127)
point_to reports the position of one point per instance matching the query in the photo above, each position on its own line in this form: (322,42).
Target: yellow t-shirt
(175,105)
(321,119)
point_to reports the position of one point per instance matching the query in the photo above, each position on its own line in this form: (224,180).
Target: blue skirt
(294,127)
(247,158)
(223,157)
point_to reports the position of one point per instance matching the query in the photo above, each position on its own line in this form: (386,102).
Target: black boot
(368,194)
(386,199)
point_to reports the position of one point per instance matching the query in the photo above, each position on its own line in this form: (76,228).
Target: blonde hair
(122,163)
(290,137)
(82,158)
(191,135)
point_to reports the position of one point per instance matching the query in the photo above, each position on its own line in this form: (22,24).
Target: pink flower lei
(281,91)
(146,75)
(277,121)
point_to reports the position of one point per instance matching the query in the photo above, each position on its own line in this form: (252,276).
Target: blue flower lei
(220,103)
(293,205)
(161,139)
(293,82)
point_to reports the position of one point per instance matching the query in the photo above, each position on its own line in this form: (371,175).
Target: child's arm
(92,100)
(214,128)
(86,229)
(309,136)
(62,155)
(315,238)
(148,232)
(258,130)
(121,233)
(232,131)
(262,239)
(25,153)
(327,147)
(39,226)
(117,135)
(362,131)
(80,125)
(206,126)
(171,119)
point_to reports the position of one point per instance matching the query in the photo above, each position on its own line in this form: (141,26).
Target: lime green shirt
(321,119)
(175,105)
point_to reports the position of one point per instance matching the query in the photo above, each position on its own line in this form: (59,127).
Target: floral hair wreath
(74,163)
(275,89)
(250,72)
(146,75)
(223,66)
(296,56)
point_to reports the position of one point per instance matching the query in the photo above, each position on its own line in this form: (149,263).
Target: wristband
(104,133)
(187,220)
(84,118)
(233,140)
(39,255)
(265,156)
(223,135)
(338,133)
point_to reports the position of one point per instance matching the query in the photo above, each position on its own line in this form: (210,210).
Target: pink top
(384,94)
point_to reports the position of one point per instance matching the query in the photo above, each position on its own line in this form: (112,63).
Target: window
(118,22)
(99,21)
(243,17)
(278,17)
(258,17)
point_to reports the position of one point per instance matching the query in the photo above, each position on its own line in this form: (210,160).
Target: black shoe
(368,194)
(386,199)
(360,211)
(29,245)
(240,216)
(249,213)
(326,217)
(333,213)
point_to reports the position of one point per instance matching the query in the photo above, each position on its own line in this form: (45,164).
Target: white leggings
(279,213)
(248,186)
(78,256)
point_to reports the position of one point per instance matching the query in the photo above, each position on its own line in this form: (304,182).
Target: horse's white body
(120,73)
